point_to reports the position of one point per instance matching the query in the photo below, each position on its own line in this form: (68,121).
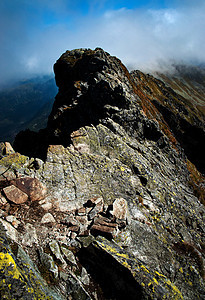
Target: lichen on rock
(108,164)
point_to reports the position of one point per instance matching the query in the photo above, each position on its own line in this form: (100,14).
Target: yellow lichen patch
(113,250)
(30,290)
(155,280)
(125,264)
(122,169)
(144,268)
(122,255)
(160,275)
(7,262)
(14,159)
(175,290)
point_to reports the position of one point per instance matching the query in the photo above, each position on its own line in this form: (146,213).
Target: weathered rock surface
(15,195)
(35,189)
(113,167)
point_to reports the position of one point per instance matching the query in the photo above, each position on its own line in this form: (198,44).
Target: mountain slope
(20,103)
(183,114)
(117,210)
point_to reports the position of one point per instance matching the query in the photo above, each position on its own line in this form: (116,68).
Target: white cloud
(141,38)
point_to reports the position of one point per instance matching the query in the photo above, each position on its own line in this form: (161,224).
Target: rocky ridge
(115,207)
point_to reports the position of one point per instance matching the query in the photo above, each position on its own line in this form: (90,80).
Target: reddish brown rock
(35,189)
(15,195)
(103,225)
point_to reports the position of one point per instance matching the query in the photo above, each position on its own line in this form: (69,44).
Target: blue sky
(143,34)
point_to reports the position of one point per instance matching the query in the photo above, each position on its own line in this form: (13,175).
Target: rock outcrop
(115,208)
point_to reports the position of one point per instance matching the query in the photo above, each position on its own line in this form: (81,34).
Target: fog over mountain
(144,35)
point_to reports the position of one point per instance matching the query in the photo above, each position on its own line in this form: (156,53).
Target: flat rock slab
(15,195)
(33,187)
(103,225)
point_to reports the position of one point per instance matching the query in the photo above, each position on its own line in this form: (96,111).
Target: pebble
(48,218)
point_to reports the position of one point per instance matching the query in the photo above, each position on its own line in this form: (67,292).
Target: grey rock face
(113,169)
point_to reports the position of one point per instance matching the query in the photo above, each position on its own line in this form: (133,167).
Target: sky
(145,35)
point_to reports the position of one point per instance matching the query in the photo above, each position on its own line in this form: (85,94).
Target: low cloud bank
(34,36)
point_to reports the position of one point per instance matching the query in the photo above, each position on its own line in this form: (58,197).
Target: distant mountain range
(26,104)
(189,82)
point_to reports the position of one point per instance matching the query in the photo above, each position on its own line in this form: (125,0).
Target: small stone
(84,277)
(35,189)
(55,249)
(15,195)
(86,240)
(2,213)
(48,262)
(73,235)
(63,276)
(11,232)
(46,203)
(69,256)
(72,223)
(120,209)
(84,232)
(2,200)
(88,209)
(48,218)
(47,206)
(81,211)
(30,236)
(6,175)
(82,219)
(8,148)
(12,219)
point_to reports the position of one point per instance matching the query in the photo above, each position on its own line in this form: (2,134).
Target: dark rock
(121,275)
(99,205)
